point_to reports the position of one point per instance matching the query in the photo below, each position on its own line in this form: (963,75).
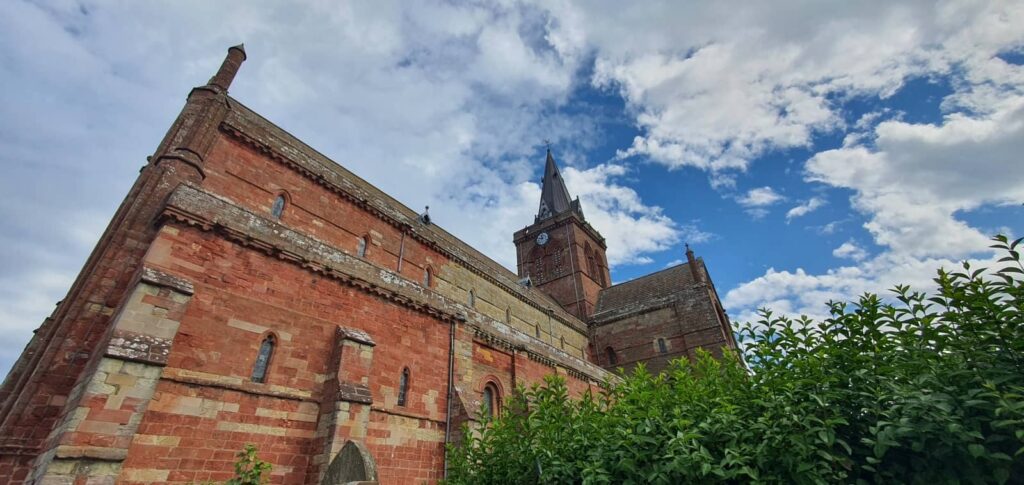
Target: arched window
(508,315)
(612,359)
(536,330)
(403,386)
(661,346)
(561,342)
(472,299)
(259,371)
(278,208)
(428,277)
(490,403)
(361,248)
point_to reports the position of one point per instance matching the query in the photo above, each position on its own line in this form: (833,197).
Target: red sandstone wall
(685,328)
(242,294)
(253,181)
(205,407)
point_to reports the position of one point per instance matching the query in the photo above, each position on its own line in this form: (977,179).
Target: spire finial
(547,144)
(236,56)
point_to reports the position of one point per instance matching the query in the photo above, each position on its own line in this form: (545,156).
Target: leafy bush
(927,389)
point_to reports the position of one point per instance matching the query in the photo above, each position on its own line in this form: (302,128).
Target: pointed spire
(554,196)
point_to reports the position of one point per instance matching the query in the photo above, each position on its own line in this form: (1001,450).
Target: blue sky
(807,150)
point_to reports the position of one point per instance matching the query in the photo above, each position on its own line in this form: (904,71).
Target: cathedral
(250,290)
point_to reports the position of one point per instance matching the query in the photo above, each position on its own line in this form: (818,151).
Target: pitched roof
(645,291)
(554,196)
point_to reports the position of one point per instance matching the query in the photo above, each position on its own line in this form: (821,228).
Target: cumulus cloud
(801,210)
(760,197)
(850,250)
(716,95)
(631,228)
(911,181)
(757,200)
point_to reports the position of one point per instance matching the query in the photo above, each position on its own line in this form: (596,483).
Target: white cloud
(850,250)
(714,87)
(800,293)
(811,205)
(760,197)
(631,228)
(757,200)
(910,181)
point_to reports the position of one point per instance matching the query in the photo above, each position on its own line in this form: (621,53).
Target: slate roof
(646,291)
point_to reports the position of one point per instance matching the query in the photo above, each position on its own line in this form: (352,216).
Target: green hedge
(927,389)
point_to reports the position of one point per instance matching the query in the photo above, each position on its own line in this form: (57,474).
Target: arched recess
(281,202)
(362,245)
(610,353)
(264,357)
(403,387)
(353,463)
(428,277)
(491,394)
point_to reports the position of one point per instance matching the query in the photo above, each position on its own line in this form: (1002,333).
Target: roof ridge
(640,278)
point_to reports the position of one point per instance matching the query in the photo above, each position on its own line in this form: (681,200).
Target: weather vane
(547,143)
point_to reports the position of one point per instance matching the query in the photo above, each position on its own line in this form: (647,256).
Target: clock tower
(561,253)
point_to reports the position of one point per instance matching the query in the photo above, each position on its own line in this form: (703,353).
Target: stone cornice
(191,206)
(251,129)
(617,314)
(535,356)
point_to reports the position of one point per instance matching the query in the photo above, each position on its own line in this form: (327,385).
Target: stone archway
(353,464)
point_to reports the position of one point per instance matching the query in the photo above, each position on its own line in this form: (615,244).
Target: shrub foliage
(928,388)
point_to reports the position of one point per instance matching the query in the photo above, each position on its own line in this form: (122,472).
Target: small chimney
(228,69)
(692,263)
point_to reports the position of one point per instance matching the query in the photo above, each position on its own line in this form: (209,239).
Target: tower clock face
(542,238)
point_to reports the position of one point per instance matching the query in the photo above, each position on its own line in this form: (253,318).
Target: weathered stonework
(203,322)
(104,411)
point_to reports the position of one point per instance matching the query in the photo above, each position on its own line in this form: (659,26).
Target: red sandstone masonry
(35,394)
(109,391)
